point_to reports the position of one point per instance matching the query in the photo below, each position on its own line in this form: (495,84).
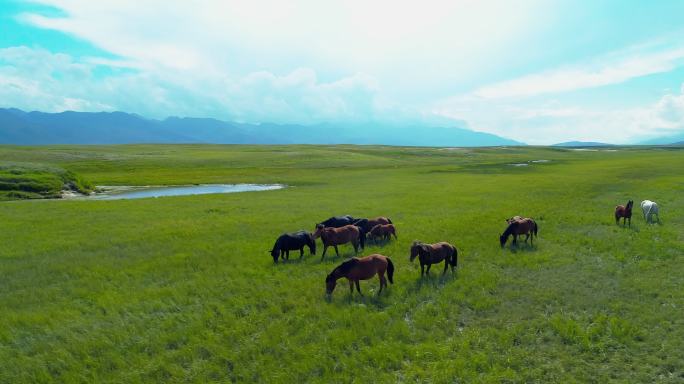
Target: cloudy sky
(536,71)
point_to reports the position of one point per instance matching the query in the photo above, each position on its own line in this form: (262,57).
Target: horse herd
(624,212)
(345,229)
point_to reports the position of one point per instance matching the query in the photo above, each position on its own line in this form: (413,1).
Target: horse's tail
(389,221)
(535,229)
(454,258)
(390,270)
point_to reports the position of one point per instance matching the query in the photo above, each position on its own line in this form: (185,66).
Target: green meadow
(182,289)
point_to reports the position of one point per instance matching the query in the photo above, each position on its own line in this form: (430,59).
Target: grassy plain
(182,289)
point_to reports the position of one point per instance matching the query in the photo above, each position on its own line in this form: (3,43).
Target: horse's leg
(325,248)
(301,252)
(358,287)
(336,251)
(428,269)
(422,269)
(351,288)
(383,282)
(446,265)
(287,254)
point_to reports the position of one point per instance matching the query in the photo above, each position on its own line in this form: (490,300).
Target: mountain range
(37,128)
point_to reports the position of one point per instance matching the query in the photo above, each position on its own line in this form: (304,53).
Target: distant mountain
(582,144)
(35,128)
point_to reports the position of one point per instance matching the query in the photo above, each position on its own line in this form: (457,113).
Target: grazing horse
(292,241)
(337,221)
(520,227)
(384,231)
(336,236)
(429,254)
(624,212)
(362,268)
(650,208)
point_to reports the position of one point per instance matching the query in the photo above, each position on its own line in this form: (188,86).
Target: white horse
(649,208)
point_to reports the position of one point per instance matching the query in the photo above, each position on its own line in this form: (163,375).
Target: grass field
(182,289)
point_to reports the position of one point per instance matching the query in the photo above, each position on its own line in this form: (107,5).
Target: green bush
(31,181)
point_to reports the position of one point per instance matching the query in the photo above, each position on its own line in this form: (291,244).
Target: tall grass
(182,289)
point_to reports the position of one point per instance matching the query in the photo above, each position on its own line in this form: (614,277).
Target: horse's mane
(346,266)
(510,228)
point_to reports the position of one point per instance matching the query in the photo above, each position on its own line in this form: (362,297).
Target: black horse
(291,242)
(337,221)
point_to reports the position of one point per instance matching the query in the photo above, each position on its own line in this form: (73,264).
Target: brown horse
(378,220)
(520,227)
(362,268)
(429,254)
(624,212)
(384,231)
(336,236)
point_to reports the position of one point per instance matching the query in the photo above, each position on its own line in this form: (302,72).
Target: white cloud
(402,44)
(306,61)
(548,122)
(38,79)
(605,71)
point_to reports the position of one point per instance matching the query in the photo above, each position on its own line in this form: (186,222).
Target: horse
(362,268)
(649,208)
(336,236)
(624,212)
(365,225)
(384,231)
(292,241)
(429,254)
(521,227)
(368,224)
(337,221)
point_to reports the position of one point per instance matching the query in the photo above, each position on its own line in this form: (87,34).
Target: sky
(540,72)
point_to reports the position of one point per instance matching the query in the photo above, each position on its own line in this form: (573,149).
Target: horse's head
(319,229)
(330,283)
(312,243)
(502,240)
(630,204)
(275,252)
(415,249)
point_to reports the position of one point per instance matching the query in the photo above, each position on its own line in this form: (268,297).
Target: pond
(141,192)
